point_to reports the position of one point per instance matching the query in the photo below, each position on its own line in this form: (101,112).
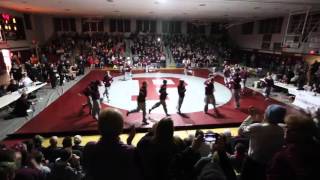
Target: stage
(63,116)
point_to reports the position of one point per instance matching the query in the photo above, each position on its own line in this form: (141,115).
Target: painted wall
(254,40)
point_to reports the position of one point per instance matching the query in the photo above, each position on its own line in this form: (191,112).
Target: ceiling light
(116,11)
(202,4)
(110,1)
(256,8)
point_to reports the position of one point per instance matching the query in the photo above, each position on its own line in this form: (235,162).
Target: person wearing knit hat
(275,114)
(265,139)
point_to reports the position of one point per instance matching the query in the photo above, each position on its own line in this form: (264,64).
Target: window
(176,27)
(165,26)
(146,26)
(127,26)
(72,25)
(57,24)
(217,28)
(153,26)
(247,28)
(27,21)
(92,25)
(64,24)
(100,26)
(112,25)
(269,26)
(195,28)
(296,23)
(120,25)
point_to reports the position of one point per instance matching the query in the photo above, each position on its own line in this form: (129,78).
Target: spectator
(52,151)
(20,108)
(7,164)
(37,161)
(13,86)
(109,158)
(62,168)
(239,156)
(300,157)
(217,161)
(261,149)
(77,139)
(157,152)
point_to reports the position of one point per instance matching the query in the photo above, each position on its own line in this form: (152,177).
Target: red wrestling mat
(63,115)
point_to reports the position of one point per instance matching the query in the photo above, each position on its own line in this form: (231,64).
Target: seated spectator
(20,108)
(300,157)
(62,169)
(26,81)
(265,139)
(13,86)
(109,158)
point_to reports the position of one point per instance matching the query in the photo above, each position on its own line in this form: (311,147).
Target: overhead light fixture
(15,28)
(110,1)
(14,20)
(202,4)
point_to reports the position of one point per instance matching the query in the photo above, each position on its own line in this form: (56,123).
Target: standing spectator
(300,157)
(261,149)
(52,151)
(77,139)
(109,158)
(158,151)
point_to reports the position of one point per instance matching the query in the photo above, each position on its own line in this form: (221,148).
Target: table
(12,97)
(306,100)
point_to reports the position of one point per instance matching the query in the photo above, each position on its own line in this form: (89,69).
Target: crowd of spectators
(147,50)
(200,51)
(274,147)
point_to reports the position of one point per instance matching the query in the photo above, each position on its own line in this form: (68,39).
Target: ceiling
(228,10)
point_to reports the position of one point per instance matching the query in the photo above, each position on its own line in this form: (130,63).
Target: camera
(210,137)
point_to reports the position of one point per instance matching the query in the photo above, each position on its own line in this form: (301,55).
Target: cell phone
(210,137)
